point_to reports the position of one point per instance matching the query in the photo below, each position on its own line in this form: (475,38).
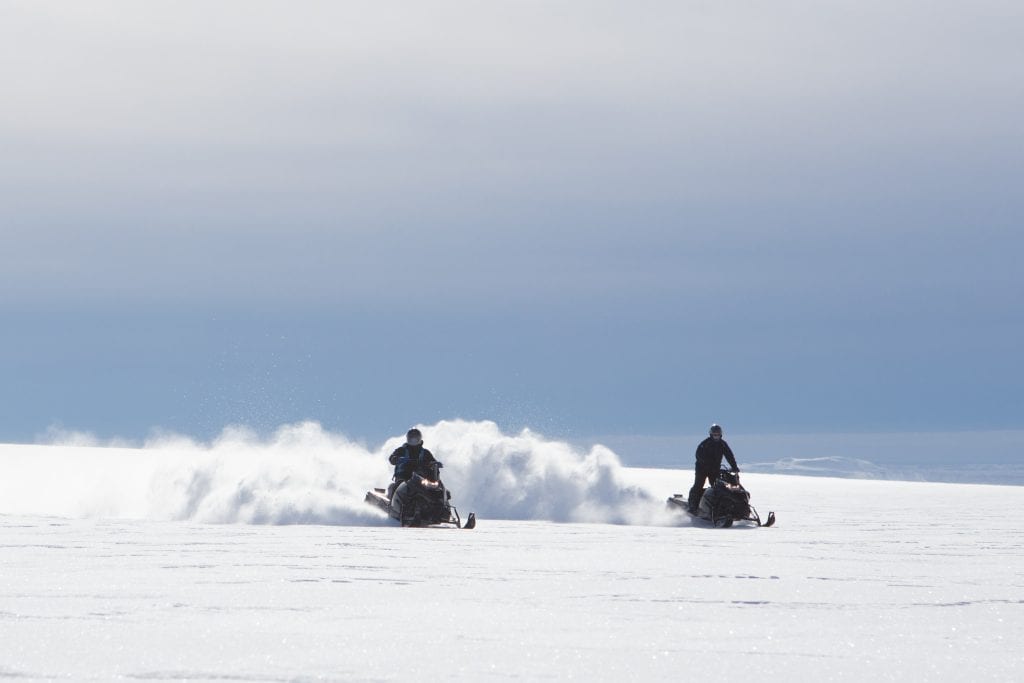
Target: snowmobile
(421,501)
(723,503)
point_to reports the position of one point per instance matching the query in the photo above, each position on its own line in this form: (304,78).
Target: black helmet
(715,429)
(413,437)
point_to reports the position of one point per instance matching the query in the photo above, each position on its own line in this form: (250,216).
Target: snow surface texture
(112,569)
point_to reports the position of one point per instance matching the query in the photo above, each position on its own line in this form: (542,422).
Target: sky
(585,218)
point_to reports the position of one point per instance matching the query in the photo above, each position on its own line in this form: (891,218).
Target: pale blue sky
(582,217)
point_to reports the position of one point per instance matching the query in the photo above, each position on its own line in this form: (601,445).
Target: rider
(411,457)
(709,462)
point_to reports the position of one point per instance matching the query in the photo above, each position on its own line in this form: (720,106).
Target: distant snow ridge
(831,466)
(856,468)
(306,475)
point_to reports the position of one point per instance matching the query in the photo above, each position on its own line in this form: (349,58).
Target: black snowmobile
(723,503)
(420,501)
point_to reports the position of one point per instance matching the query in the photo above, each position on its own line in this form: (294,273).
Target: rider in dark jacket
(709,462)
(411,457)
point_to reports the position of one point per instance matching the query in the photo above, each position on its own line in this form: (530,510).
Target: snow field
(250,562)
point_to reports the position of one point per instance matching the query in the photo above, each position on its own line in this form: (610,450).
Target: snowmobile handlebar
(729,476)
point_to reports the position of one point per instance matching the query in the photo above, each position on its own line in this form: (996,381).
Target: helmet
(714,429)
(413,437)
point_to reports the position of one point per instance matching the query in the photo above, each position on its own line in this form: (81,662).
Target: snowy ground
(860,580)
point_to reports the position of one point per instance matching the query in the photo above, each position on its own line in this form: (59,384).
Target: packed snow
(257,559)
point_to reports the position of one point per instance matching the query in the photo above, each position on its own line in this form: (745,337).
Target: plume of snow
(303,474)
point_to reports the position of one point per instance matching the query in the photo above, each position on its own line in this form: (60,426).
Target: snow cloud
(303,474)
